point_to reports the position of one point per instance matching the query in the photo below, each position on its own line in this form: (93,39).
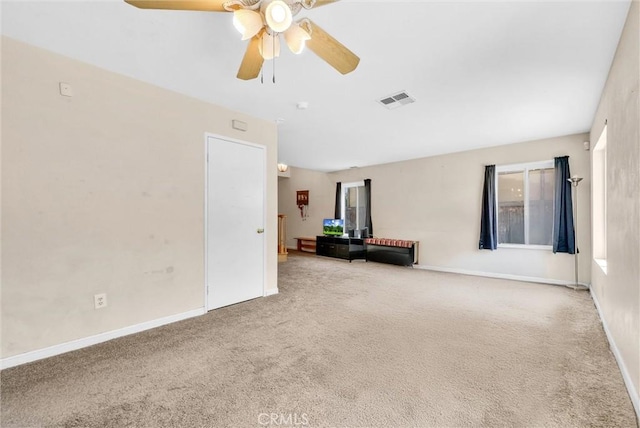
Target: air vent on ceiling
(396,100)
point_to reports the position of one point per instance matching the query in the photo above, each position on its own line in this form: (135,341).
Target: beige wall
(321,202)
(104,192)
(618,291)
(437,201)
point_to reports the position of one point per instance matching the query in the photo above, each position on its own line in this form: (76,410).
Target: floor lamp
(575,180)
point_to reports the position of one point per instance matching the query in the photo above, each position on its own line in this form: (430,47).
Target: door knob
(260,230)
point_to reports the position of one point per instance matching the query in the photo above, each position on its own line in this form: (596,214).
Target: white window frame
(524,168)
(599,201)
(343,208)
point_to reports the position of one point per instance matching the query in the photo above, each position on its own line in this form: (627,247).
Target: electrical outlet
(100,300)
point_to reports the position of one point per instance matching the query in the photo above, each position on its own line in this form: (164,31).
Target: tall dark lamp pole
(575,180)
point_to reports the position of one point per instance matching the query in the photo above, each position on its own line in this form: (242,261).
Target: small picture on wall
(303,197)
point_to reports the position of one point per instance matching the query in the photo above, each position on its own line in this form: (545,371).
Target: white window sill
(602,263)
(527,247)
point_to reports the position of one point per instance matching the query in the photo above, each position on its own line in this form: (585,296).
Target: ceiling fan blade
(331,50)
(203,5)
(252,61)
(319,3)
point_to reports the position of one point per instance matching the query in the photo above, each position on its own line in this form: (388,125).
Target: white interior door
(235,222)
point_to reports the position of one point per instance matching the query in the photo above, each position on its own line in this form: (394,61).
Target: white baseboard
(633,393)
(271,292)
(499,275)
(74,345)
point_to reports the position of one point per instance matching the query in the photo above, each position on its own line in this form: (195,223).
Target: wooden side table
(307,244)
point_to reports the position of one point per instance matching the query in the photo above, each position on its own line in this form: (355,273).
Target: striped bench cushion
(390,242)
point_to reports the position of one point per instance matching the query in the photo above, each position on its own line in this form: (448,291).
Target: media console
(339,247)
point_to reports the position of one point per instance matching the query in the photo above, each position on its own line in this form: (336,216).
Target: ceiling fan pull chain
(262,68)
(274,56)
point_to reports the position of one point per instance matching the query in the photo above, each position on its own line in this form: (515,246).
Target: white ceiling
(483,73)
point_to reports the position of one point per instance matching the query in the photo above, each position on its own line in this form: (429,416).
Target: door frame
(267,232)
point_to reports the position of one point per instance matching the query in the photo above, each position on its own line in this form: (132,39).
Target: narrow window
(599,201)
(354,205)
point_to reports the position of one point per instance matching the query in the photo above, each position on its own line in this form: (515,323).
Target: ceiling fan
(262,21)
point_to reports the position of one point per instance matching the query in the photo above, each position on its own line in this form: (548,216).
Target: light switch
(65,89)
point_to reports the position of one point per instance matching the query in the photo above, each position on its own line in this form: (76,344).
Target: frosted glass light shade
(278,16)
(296,38)
(269,46)
(247,22)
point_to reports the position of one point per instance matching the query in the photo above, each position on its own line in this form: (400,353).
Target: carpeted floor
(345,345)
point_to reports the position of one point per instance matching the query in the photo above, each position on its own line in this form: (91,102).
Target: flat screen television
(332,226)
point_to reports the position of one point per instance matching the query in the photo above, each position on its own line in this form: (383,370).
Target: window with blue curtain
(528,205)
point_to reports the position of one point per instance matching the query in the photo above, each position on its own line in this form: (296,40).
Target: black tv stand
(340,247)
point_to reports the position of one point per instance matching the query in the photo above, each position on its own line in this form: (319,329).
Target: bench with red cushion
(395,251)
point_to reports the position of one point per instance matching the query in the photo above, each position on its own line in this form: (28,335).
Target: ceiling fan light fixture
(247,22)
(269,46)
(278,16)
(296,38)
(261,22)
